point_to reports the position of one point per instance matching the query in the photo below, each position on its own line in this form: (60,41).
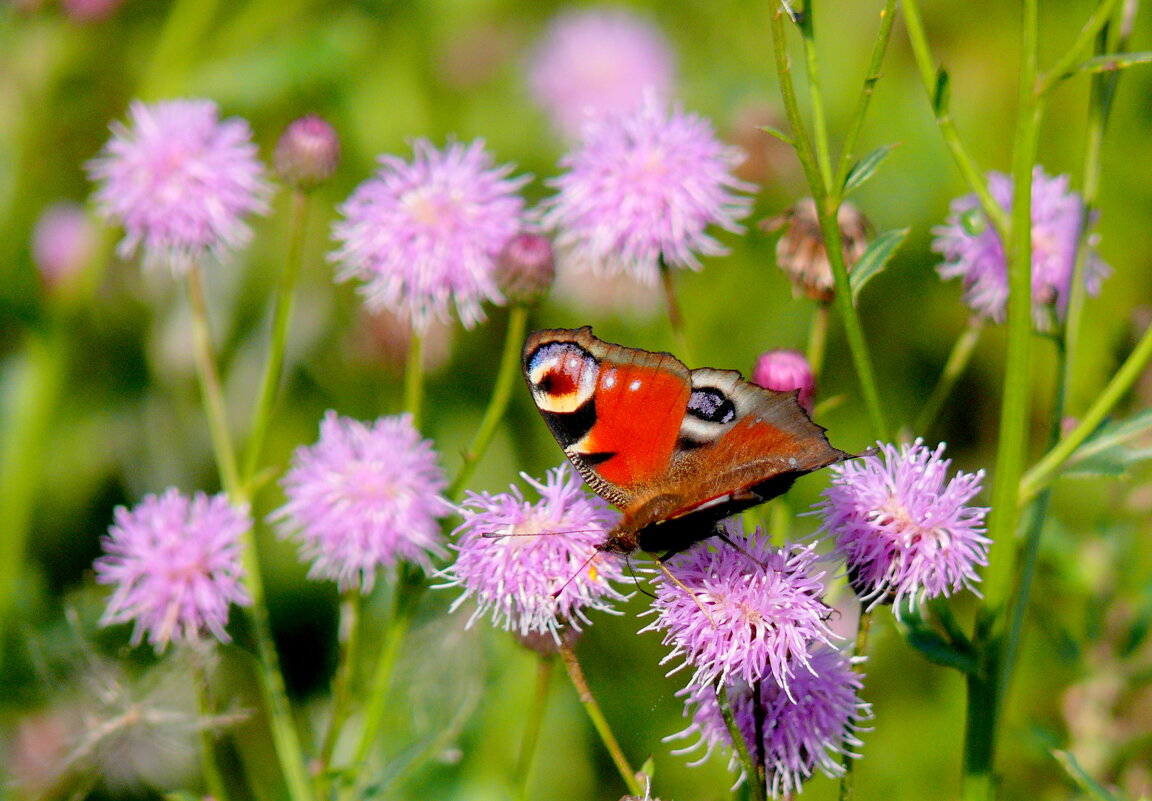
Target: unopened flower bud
(525,270)
(800,250)
(307,153)
(63,243)
(785,370)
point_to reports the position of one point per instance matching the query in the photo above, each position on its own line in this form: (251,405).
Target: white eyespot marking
(563,377)
(792,462)
(608,380)
(635,385)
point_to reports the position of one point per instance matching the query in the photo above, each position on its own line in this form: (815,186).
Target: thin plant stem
(985,686)
(576,674)
(210,388)
(209,765)
(752,774)
(351,608)
(414,379)
(958,360)
(675,317)
(278,343)
(860,648)
(821,146)
(498,403)
(1042,473)
(818,339)
(972,173)
(1060,70)
(545,667)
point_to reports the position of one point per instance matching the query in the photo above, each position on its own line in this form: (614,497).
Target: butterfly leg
(672,577)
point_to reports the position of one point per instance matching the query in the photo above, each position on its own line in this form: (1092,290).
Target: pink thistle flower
(973,252)
(903,531)
(63,242)
(365,496)
(786,370)
(175,564)
(180,182)
(801,732)
(765,612)
(641,190)
(513,555)
(425,235)
(598,62)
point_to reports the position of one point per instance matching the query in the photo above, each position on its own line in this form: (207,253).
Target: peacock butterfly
(677,450)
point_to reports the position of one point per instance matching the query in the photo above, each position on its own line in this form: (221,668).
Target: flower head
(175,564)
(641,190)
(180,181)
(903,530)
(800,250)
(596,62)
(973,251)
(425,235)
(764,611)
(801,732)
(785,370)
(525,270)
(308,152)
(365,496)
(535,565)
(63,242)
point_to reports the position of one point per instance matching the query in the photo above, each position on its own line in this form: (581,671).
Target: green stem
(821,145)
(351,607)
(498,403)
(35,382)
(544,668)
(752,771)
(957,363)
(576,674)
(1042,473)
(414,379)
(973,175)
(675,317)
(210,389)
(818,339)
(281,318)
(213,778)
(1063,66)
(985,685)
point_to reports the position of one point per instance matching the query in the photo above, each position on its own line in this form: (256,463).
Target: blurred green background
(127,420)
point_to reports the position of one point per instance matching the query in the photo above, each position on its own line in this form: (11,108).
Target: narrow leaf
(1112,62)
(875,259)
(1106,451)
(774,131)
(1086,783)
(938,651)
(942,95)
(863,169)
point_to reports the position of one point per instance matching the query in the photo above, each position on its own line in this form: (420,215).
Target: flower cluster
(180,181)
(175,564)
(902,528)
(974,252)
(535,566)
(364,497)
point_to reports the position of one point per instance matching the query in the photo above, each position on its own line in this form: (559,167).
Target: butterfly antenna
(564,586)
(499,535)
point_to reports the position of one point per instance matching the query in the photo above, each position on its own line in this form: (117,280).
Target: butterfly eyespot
(711,405)
(562,376)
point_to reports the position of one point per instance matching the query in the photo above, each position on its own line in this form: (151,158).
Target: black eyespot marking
(571,427)
(712,405)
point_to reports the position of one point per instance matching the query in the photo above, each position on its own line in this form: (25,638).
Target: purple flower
(365,496)
(515,555)
(900,529)
(786,370)
(424,235)
(63,242)
(764,615)
(180,182)
(802,731)
(308,152)
(972,249)
(175,563)
(641,191)
(596,62)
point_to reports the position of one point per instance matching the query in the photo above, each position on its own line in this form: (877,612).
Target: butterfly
(677,450)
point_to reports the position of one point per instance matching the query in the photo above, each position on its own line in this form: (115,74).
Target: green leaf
(774,131)
(938,650)
(1106,452)
(1085,782)
(942,95)
(875,259)
(1113,62)
(863,169)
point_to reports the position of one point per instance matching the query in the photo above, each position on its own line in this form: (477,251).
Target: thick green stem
(818,339)
(957,363)
(576,674)
(506,378)
(210,389)
(414,379)
(278,342)
(544,669)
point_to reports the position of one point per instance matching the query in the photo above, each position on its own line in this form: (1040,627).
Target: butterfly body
(677,450)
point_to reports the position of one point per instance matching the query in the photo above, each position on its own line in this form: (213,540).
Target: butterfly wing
(615,411)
